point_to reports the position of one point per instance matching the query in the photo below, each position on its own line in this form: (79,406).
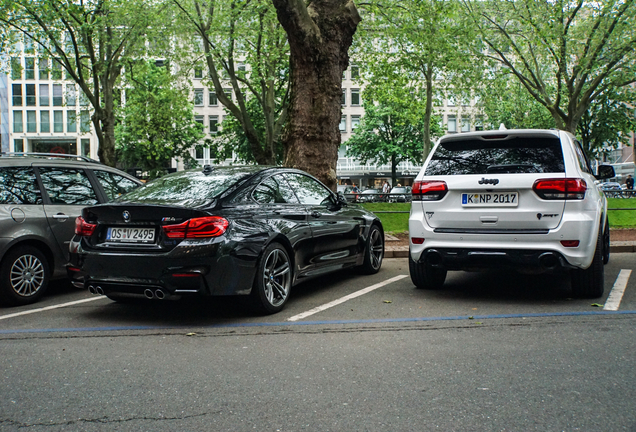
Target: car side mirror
(605,172)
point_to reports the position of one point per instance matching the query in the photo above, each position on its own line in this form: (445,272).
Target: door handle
(315,214)
(60,216)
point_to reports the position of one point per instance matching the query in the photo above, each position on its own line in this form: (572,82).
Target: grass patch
(391,222)
(399,222)
(622,218)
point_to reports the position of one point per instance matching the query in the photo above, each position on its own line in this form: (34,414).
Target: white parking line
(32,311)
(345,298)
(616,294)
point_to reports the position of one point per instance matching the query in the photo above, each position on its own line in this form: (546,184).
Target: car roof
(504,133)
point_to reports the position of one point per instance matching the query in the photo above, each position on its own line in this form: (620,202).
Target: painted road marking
(345,298)
(32,311)
(616,294)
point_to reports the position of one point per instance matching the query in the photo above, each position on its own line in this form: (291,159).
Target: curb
(403,251)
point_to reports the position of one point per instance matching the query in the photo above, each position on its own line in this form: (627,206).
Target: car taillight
(201,227)
(429,190)
(83,228)
(560,188)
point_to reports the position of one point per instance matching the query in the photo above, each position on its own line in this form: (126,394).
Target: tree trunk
(319,38)
(429,113)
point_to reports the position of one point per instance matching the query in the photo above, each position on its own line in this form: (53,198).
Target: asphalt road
(491,351)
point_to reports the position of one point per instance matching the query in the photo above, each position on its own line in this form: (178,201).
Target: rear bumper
(203,269)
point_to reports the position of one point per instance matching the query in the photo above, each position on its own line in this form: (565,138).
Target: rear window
(516,155)
(187,188)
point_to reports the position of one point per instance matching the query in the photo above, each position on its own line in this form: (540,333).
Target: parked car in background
(40,197)
(399,194)
(525,199)
(371,195)
(254,231)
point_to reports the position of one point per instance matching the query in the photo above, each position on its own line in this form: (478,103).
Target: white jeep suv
(526,199)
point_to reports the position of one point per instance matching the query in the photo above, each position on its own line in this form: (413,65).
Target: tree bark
(319,38)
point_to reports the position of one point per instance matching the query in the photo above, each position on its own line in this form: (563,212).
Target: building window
(17,94)
(71,95)
(355,122)
(18,122)
(465,124)
(214,125)
(198,152)
(29,68)
(43,68)
(29,46)
(86,147)
(85,118)
(16,68)
(228,93)
(30,95)
(355,97)
(343,124)
(45,121)
(58,121)
(32,125)
(18,145)
(452,124)
(479,124)
(83,99)
(199,119)
(355,72)
(71,121)
(198,73)
(212,99)
(58,100)
(56,70)
(344,97)
(198,97)
(44,95)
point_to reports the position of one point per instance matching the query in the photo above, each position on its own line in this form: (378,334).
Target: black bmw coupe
(222,231)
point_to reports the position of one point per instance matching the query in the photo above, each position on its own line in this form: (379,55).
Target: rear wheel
(272,283)
(24,276)
(374,251)
(425,276)
(606,243)
(588,283)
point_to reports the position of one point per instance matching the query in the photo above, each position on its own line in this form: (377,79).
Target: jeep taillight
(83,228)
(433,190)
(201,227)
(560,188)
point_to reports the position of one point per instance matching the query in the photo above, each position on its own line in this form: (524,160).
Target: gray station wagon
(41,195)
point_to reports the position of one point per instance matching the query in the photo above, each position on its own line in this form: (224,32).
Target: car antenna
(207,169)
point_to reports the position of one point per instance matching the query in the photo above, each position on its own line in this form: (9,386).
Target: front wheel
(374,251)
(272,283)
(24,276)
(425,276)
(589,282)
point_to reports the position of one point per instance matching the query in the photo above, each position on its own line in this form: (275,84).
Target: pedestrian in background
(629,182)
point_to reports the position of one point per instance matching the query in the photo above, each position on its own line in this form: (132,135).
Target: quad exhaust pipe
(95,290)
(157,294)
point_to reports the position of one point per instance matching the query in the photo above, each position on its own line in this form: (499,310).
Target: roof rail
(51,155)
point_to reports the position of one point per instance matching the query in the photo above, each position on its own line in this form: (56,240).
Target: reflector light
(417,240)
(202,227)
(83,228)
(432,190)
(570,243)
(185,275)
(560,188)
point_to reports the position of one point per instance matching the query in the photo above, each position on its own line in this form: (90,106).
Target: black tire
(425,276)
(606,243)
(589,283)
(273,279)
(373,252)
(24,276)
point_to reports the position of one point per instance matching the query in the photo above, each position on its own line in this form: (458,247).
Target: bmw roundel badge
(126,216)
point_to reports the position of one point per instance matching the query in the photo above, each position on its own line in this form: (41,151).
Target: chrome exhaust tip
(548,260)
(433,258)
(159,294)
(99,290)
(149,294)
(91,289)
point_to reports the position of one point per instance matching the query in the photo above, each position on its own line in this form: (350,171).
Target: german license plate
(490,199)
(131,235)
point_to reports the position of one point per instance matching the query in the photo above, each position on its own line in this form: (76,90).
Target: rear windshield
(187,188)
(517,155)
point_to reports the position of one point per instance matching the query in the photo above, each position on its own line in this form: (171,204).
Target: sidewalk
(403,251)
